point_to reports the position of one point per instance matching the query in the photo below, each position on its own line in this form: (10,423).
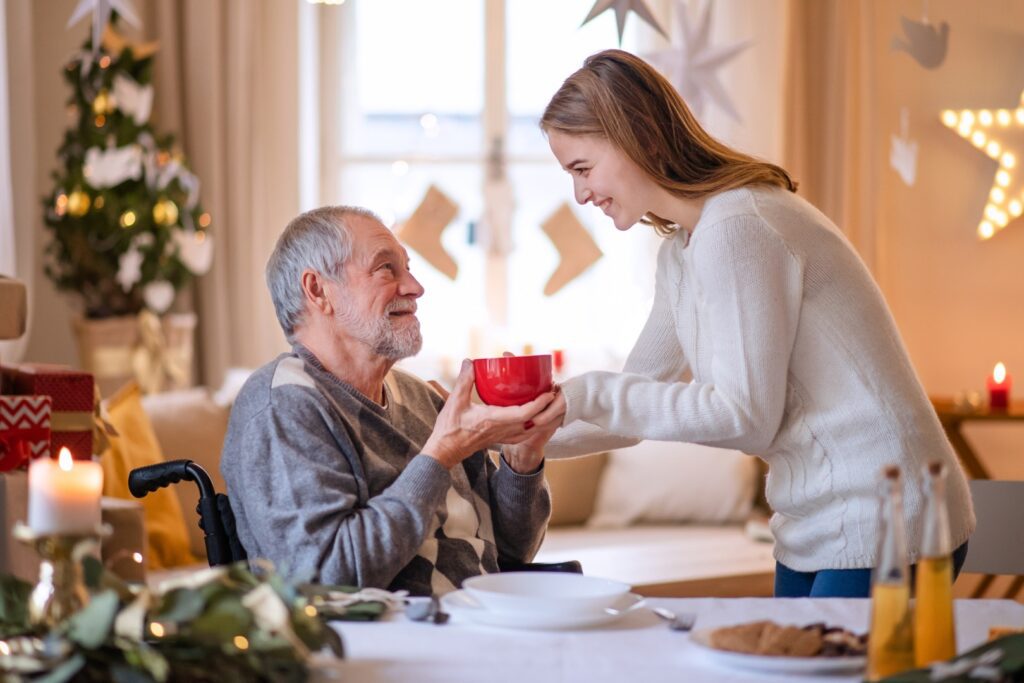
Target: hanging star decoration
(693,67)
(622,7)
(999,134)
(101,10)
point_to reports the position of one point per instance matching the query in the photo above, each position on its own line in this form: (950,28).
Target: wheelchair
(218,521)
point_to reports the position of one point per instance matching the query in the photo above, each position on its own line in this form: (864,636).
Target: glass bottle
(934,629)
(891,634)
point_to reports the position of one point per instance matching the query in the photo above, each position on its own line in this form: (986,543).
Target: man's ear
(314,288)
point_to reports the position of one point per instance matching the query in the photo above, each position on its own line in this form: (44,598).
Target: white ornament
(158,296)
(622,7)
(129,269)
(101,10)
(903,153)
(693,66)
(110,167)
(195,250)
(133,99)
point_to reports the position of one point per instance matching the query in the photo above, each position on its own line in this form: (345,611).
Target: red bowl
(512,380)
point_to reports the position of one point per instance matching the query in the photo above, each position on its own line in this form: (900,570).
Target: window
(449,93)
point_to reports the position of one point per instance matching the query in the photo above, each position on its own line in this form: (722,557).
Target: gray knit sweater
(324,480)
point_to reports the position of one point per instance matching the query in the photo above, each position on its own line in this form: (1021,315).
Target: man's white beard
(381,335)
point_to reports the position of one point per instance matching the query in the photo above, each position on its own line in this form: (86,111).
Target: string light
(983,128)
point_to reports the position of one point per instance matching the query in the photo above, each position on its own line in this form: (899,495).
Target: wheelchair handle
(148,479)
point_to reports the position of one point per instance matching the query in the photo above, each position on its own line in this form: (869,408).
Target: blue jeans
(838,583)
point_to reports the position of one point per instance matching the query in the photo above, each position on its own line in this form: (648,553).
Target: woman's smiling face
(603,175)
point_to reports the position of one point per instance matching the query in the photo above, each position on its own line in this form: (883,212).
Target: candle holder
(60,591)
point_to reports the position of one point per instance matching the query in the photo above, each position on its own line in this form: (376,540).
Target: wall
(959,301)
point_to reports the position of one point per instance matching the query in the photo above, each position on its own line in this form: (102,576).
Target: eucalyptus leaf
(92,571)
(181,605)
(91,626)
(222,621)
(64,672)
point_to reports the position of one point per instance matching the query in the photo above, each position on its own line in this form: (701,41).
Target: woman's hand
(527,455)
(463,427)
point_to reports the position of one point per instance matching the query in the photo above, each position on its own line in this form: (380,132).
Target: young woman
(789,350)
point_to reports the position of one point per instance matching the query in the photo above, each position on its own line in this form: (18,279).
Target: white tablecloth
(638,648)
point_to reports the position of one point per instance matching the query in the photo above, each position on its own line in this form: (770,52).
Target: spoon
(677,622)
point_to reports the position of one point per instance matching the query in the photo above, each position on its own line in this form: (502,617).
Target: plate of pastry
(784,648)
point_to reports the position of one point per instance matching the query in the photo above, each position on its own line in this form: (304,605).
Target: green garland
(224,624)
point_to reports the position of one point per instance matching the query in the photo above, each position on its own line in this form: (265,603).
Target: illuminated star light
(999,134)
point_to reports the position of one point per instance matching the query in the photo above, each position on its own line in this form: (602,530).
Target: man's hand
(462,427)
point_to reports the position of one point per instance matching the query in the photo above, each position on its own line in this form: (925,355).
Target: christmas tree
(128,231)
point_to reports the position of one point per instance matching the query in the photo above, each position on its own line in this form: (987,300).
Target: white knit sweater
(794,357)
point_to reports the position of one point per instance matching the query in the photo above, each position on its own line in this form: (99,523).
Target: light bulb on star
(999,135)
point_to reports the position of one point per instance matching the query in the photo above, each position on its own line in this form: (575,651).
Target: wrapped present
(13,308)
(24,430)
(74,402)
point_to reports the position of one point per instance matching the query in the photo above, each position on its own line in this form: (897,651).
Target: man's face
(376,301)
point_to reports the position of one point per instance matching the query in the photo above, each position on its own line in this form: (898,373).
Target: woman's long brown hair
(620,97)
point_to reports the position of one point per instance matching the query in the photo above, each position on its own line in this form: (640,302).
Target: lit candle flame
(64,459)
(999,373)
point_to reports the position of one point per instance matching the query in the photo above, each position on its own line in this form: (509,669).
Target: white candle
(64,495)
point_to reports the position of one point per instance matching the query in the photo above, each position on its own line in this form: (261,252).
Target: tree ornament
(60,204)
(165,212)
(103,103)
(133,99)
(78,203)
(114,43)
(158,296)
(112,166)
(127,219)
(195,249)
(998,134)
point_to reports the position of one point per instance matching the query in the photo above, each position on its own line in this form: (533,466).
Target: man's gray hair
(319,240)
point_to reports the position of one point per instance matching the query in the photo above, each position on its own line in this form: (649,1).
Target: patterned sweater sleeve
(656,355)
(303,503)
(520,509)
(751,286)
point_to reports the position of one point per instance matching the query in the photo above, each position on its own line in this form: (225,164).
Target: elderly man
(339,463)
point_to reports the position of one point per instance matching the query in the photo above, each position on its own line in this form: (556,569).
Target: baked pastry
(779,640)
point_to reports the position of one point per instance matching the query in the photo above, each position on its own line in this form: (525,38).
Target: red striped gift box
(24,430)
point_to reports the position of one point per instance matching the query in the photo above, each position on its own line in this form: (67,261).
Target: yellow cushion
(573,484)
(135,446)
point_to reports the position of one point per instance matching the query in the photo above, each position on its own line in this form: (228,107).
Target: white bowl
(544,592)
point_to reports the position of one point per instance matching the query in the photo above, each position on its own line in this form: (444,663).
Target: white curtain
(10,351)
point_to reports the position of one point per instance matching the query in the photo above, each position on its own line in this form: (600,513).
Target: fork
(677,622)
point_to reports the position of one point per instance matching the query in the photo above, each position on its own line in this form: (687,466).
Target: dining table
(636,647)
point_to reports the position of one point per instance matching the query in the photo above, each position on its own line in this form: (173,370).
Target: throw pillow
(135,446)
(670,482)
(573,483)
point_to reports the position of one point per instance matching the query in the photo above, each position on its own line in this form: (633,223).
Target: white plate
(554,593)
(462,606)
(795,665)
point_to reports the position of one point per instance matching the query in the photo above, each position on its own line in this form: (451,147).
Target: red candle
(999,383)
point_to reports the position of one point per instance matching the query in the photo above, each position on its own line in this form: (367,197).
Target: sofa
(660,548)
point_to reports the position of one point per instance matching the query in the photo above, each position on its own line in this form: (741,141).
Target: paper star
(101,10)
(692,68)
(622,7)
(999,134)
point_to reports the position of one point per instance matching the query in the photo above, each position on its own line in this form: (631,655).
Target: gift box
(13,308)
(24,430)
(73,402)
